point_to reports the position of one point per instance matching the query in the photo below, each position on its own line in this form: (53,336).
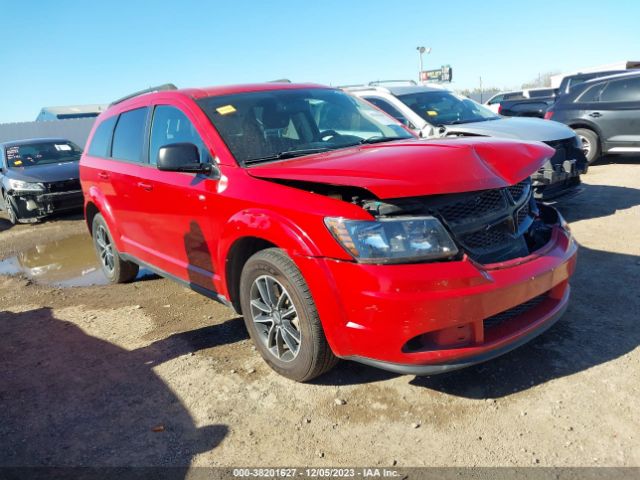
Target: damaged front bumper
(35,205)
(561,174)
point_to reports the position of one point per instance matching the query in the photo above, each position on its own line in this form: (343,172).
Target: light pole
(421,51)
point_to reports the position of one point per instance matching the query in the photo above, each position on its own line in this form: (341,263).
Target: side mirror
(182,157)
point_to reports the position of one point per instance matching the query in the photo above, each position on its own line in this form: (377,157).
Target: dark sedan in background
(605,114)
(39,177)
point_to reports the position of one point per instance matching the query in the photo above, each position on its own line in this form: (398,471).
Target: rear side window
(128,137)
(386,107)
(627,90)
(102,138)
(591,95)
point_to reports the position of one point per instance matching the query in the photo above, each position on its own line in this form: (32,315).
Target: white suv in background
(433,111)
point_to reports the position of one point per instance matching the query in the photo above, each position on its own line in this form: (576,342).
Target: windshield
(42,153)
(445,108)
(278,124)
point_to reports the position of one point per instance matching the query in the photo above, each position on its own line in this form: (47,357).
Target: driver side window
(170,125)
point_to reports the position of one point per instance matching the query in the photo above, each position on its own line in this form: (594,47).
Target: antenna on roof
(159,88)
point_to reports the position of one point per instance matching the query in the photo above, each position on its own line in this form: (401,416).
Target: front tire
(113,266)
(590,144)
(282,318)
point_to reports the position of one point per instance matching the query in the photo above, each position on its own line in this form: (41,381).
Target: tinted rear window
(128,136)
(102,138)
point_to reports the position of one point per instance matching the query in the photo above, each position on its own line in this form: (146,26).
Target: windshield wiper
(286,154)
(378,139)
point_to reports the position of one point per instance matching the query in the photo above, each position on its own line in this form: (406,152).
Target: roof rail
(159,88)
(379,82)
(351,86)
(280,80)
(362,88)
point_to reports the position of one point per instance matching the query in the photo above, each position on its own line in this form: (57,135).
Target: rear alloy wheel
(590,144)
(282,318)
(113,266)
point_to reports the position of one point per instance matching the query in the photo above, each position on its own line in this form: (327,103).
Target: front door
(181,205)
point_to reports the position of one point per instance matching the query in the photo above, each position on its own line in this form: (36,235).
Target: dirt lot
(153,374)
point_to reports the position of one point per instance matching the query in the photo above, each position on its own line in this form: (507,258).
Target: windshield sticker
(63,147)
(432,113)
(226,110)
(17,163)
(13,152)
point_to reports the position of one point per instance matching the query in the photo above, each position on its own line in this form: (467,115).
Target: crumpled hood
(416,167)
(54,172)
(519,128)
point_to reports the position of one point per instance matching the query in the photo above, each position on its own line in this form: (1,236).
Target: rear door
(127,171)
(618,115)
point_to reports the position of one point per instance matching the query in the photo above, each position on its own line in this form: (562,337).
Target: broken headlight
(21,186)
(393,240)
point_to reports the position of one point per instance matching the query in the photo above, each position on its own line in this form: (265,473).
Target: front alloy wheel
(275,318)
(282,318)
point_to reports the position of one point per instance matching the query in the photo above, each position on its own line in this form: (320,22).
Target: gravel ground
(151,373)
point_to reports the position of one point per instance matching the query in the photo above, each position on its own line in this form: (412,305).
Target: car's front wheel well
(584,126)
(238,255)
(90,212)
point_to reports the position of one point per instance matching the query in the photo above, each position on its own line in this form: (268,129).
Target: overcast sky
(72,52)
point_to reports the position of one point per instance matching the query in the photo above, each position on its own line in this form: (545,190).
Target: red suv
(331,228)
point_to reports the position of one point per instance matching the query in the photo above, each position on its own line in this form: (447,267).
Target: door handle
(103,175)
(145,186)
(595,114)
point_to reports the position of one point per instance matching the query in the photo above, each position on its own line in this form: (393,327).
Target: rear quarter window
(591,94)
(128,136)
(102,138)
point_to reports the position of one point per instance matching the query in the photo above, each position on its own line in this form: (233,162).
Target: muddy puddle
(70,262)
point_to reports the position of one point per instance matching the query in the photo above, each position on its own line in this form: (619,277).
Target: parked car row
(436,112)
(603,108)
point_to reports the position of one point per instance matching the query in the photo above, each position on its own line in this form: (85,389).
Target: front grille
(522,214)
(479,204)
(518,190)
(488,225)
(484,239)
(63,186)
(516,311)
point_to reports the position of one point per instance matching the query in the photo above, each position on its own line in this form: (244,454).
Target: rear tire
(113,266)
(282,318)
(590,144)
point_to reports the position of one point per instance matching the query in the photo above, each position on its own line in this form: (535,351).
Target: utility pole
(481,89)
(422,50)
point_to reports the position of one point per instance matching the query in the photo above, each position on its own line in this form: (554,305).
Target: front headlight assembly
(20,186)
(393,240)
